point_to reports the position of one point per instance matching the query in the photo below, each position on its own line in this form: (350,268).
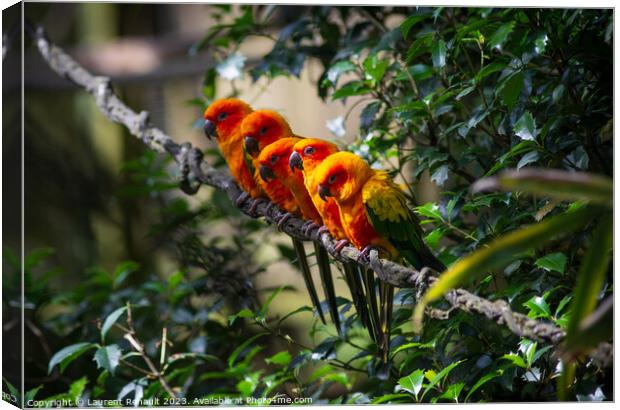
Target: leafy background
(443,97)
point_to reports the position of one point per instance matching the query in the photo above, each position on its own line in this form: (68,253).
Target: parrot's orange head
(261,128)
(224,116)
(341,176)
(273,159)
(310,152)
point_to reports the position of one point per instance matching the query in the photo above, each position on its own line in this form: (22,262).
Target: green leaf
(123,270)
(512,89)
(339,68)
(438,53)
(389,398)
(440,376)
(209,84)
(108,357)
(31,394)
(515,359)
(538,308)
(590,279)
(233,356)
(499,37)
(483,380)
(489,69)
(411,21)
(525,127)
(375,68)
(429,210)
(412,383)
(243,313)
(350,89)
(417,345)
(282,358)
(294,312)
(265,307)
(77,388)
(499,253)
(68,354)
(553,262)
(561,185)
(110,320)
(453,391)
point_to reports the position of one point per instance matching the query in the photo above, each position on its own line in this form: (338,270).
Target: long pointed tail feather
(305,272)
(322,258)
(353,274)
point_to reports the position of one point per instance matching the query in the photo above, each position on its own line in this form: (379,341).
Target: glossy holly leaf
(525,127)
(553,262)
(108,357)
(68,354)
(438,53)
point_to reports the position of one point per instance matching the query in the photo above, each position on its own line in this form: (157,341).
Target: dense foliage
(454,94)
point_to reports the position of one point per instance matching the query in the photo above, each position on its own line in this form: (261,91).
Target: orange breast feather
(276,191)
(232,150)
(327,209)
(358,228)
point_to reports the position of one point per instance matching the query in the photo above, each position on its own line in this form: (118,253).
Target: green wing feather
(389,215)
(247,158)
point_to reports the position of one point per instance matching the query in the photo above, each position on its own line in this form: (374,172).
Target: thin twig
(139,347)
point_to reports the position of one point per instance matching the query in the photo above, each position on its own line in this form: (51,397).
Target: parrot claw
(308,227)
(283,220)
(268,209)
(241,199)
(337,248)
(323,229)
(255,203)
(364,256)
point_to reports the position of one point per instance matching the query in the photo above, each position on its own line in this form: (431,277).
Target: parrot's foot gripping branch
(364,256)
(283,220)
(338,246)
(308,227)
(255,203)
(241,199)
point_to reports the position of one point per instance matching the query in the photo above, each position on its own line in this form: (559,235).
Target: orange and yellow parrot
(273,162)
(307,155)
(267,124)
(223,122)
(374,214)
(260,129)
(373,210)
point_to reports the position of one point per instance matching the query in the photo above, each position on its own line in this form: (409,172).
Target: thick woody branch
(196,172)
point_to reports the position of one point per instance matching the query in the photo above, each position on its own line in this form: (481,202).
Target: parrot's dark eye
(222,116)
(263,131)
(309,150)
(331,179)
(274,159)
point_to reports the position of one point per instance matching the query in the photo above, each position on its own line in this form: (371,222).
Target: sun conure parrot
(260,129)
(268,124)
(273,165)
(223,122)
(307,155)
(374,214)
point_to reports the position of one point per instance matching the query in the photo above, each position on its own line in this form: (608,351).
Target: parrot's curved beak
(266,173)
(295,161)
(210,130)
(251,145)
(324,192)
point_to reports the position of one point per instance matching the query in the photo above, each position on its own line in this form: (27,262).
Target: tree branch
(196,172)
